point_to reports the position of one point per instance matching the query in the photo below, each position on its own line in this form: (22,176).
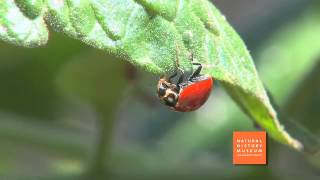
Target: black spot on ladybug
(161,91)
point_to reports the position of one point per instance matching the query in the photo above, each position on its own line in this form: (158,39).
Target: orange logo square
(249,147)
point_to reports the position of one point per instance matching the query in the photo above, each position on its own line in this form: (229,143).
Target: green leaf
(31,8)
(157,36)
(296,42)
(18,29)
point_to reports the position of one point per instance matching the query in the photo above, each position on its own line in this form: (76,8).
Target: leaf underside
(156,35)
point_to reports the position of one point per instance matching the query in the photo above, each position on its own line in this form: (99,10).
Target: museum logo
(249,147)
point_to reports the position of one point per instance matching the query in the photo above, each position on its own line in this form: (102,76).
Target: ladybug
(185,95)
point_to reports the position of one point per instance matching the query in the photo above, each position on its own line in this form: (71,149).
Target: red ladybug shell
(194,94)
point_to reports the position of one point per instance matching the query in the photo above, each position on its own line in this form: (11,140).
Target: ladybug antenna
(181,78)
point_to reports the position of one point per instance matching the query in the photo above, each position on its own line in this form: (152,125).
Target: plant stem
(105,123)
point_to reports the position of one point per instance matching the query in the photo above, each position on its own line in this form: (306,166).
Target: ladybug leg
(180,80)
(172,76)
(197,71)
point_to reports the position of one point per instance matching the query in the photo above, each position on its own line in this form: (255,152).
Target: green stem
(105,123)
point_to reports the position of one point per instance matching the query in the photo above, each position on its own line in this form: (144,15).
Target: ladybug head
(167,92)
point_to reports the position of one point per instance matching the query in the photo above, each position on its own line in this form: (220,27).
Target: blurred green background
(68,111)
